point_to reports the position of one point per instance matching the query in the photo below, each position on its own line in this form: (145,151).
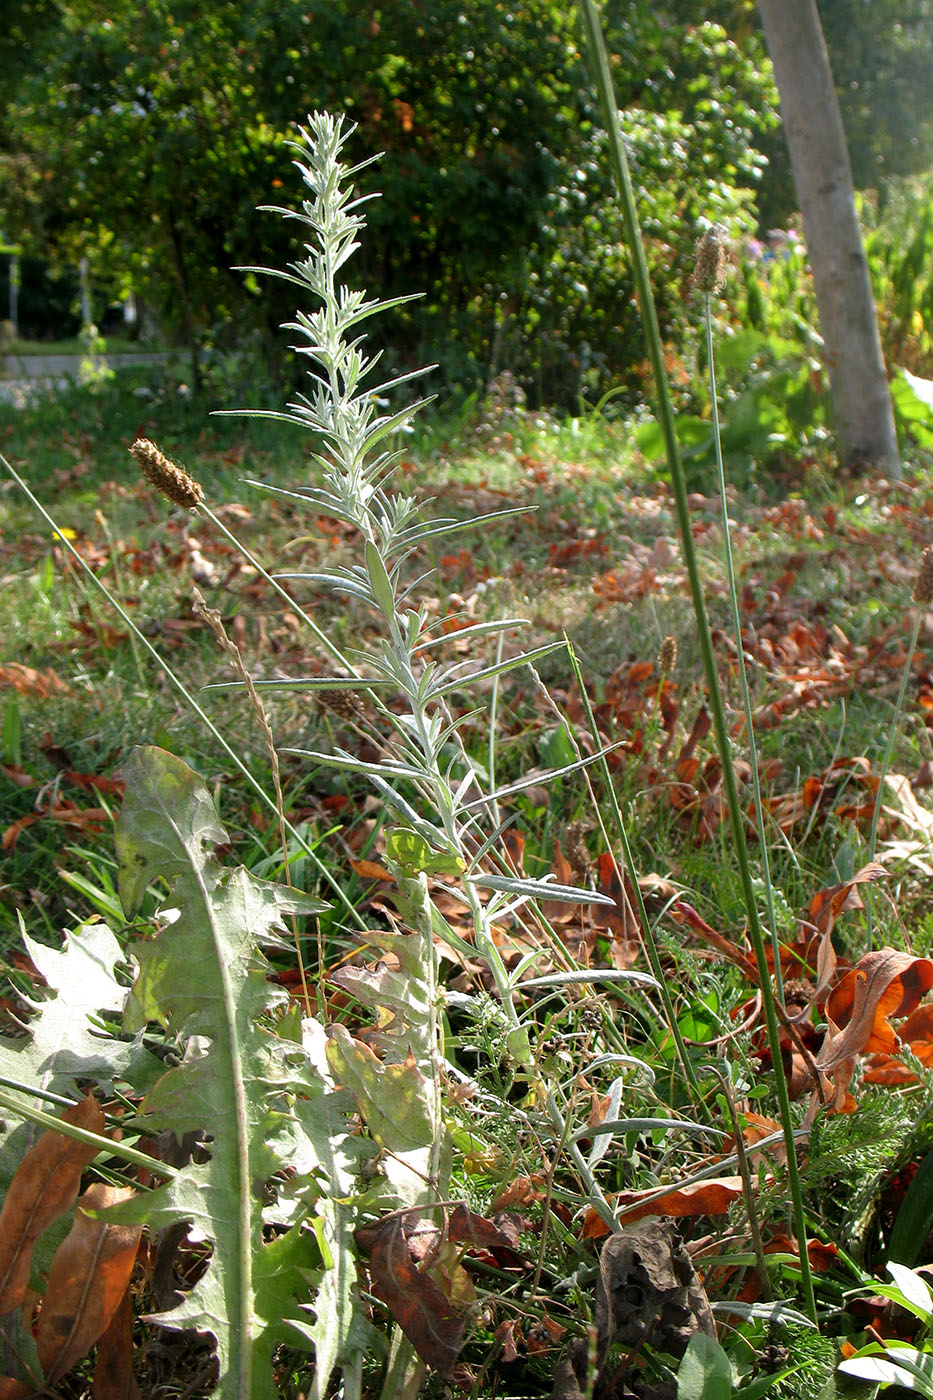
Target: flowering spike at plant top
(667,656)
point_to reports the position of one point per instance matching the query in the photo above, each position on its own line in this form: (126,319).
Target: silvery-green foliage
(444,813)
(355,456)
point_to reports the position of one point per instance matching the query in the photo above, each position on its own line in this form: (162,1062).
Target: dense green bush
(899,247)
(173,117)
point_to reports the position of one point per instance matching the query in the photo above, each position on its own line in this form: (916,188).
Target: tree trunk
(823,176)
(192,338)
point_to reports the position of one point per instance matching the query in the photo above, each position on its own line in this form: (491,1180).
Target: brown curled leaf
(882,984)
(827,905)
(432,1324)
(45,1186)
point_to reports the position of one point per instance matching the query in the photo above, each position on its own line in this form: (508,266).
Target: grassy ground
(114,344)
(826,573)
(826,568)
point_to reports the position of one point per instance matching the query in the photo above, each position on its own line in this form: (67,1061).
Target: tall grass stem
(619,162)
(740,652)
(649,942)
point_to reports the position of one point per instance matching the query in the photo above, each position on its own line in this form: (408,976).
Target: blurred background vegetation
(141,135)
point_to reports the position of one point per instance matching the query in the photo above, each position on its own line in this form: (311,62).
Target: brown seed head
(576,849)
(667,656)
(345,704)
(174,482)
(923,588)
(713,256)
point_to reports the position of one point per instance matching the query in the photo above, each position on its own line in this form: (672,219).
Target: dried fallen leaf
(509,1334)
(113,1374)
(828,904)
(370,870)
(63,811)
(45,1186)
(917,1034)
(823,1256)
(713,1197)
(883,984)
(87,1282)
(466,1227)
(683,913)
(27,681)
(520,1192)
(432,1324)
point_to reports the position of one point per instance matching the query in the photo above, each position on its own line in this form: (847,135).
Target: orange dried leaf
(13,832)
(917,1030)
(828,904)
(113,1374)
(594,1226)
(917,1033)
(370,870)
(520,1192)
(883,983)
(87,1281)
(822,1256)
(44,1187)
(713,1197)
(27,681)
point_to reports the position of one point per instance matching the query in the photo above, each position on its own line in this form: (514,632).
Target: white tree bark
(823,178)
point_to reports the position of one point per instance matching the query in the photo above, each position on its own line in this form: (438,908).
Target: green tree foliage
(145,132)
(882,56)
(881,52)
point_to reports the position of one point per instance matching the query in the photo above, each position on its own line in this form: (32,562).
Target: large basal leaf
(67,1039)
(245,1080)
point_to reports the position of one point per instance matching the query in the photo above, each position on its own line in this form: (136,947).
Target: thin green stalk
(886,763)
(743,671)
(648,938)
(189,699)
(115,560)
(493,722)
(678,482)
(320,636)
(105,1146)
(748,1191)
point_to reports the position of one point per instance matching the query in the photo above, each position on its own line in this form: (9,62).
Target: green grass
(594,556)
(113,345)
